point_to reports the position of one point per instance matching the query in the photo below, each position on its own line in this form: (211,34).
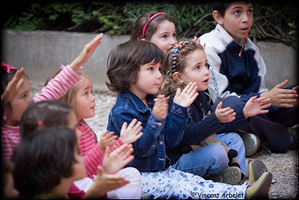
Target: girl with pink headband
(156,27)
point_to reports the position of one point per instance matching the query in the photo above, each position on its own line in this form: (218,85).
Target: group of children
(164,138)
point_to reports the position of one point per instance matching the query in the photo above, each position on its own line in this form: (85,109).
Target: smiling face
(164,37)
(84,99)
(196,70)
(149,80)
(237,20)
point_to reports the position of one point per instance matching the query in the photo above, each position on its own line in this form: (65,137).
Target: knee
(218,153)
(233,102)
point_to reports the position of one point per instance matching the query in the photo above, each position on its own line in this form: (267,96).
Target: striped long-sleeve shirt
(56,88)
(93,155)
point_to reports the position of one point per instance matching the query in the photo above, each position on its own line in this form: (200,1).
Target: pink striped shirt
(93,155)
(56,88)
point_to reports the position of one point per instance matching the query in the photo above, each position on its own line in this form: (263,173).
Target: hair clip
(175,51)
(62,67)
(7,67)
(40,123)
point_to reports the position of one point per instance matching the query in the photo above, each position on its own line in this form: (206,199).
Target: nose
(159,75)
(173,41)
(245,18)
(93,98)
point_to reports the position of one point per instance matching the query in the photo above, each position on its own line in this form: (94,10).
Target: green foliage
(271,20)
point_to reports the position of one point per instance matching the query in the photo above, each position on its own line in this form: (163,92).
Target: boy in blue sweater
(237,69)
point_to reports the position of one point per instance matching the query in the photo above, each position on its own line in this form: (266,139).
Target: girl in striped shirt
(56,88)
(81,99)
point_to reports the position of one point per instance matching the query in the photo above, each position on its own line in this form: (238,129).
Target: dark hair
(43,158)
(169,84)
(136,32)
(50,113)
(125,60)
(221,6)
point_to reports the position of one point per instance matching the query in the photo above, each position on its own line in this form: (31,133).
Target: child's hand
(160,109)
(13,86)
(131,133)
(86,52)
(107,139)
(104,183)
(256,106)
(224,115)
(187,96)
(118,159)
(197,40)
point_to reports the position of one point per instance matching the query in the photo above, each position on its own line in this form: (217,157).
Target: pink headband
(150,19)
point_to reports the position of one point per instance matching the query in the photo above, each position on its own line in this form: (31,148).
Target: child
(134,73)
(56,113)
(186,63)
(14,108)
(155,27)
(81,99)
(48,163)
(237,69)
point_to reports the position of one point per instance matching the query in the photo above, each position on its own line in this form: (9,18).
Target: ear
(177,76)
(217,17)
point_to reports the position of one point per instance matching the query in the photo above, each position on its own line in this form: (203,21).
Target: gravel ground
(284,167)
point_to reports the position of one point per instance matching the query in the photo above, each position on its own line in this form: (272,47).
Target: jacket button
(159,124)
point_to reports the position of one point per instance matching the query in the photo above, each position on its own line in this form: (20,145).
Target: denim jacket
(150,149)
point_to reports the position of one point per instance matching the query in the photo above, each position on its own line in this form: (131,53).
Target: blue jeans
(212,159)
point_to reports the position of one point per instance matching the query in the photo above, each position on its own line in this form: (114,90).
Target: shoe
(231,175)
(260,188)
(255,169)
(251,142)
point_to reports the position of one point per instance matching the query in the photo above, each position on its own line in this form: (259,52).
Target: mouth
(206,80)
(245,29)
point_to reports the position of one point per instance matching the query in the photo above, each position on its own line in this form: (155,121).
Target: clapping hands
(186,97)
(131,133)
(255,106)
(224,115)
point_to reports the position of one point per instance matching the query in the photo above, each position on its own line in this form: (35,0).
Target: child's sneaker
(231,175)
(260,188)
(251,143)
(255,169)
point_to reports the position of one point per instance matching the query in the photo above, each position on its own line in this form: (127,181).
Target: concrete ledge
(42,52)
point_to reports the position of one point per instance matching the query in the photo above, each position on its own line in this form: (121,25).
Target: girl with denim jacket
(134,73)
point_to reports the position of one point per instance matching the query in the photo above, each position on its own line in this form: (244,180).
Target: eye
(164,36)
(150,69)
(197,67)
(250,11)
(207,65)
(237,12)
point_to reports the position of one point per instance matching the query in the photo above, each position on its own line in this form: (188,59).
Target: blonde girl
(82,100)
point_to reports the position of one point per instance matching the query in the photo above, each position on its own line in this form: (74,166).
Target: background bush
(272,21)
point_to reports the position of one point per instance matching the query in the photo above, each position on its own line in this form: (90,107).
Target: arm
(177,118)
(58,86)
(196,132)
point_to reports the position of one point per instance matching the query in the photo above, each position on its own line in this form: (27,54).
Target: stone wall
(42,52)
